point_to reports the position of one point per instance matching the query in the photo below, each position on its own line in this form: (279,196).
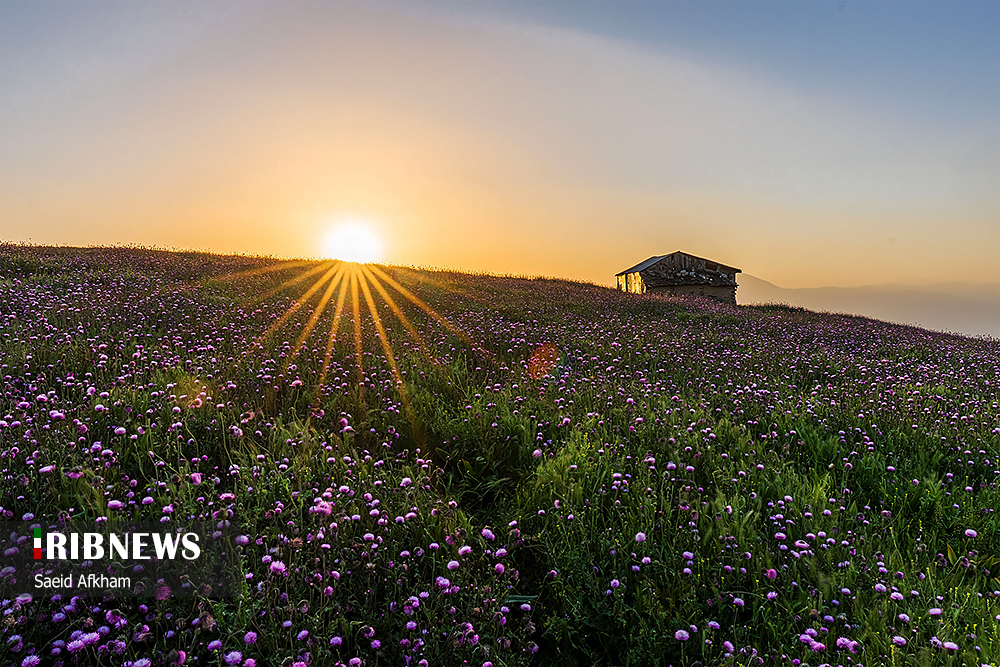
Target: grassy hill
(480,470)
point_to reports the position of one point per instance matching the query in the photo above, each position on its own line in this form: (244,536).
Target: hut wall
(632,283)
(726,294)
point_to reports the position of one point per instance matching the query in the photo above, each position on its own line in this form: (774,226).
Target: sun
(352,242)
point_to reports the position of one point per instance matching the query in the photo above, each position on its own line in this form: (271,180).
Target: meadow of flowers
(478,470)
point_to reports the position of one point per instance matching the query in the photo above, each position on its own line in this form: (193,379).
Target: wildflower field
(440,469)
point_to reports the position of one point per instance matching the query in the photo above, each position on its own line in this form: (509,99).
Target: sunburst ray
(301,300)
(272,268)
(391,359)
(433,313)
(358,342)
(334,327)
(317,312)
(292,281)
(400,315)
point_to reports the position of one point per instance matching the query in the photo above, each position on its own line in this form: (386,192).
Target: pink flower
(682,635)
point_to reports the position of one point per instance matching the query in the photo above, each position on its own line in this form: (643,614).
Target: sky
(808,143)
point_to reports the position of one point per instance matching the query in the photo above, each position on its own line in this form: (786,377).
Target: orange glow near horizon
(369,133)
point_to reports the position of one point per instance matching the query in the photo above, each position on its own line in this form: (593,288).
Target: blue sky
(809,143)
(939,60)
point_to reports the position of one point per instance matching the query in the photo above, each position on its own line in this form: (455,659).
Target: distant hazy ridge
(971,309)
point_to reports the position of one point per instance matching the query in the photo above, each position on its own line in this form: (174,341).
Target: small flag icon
(38,543)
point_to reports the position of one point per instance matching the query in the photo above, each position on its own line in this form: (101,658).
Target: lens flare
(543,361)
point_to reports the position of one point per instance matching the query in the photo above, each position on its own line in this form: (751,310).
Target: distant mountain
(970,309)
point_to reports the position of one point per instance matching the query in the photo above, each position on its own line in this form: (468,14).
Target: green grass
(707,428)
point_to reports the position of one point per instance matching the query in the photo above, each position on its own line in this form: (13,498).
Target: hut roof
(643,266)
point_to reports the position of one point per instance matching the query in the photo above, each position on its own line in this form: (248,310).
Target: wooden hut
(680,273)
